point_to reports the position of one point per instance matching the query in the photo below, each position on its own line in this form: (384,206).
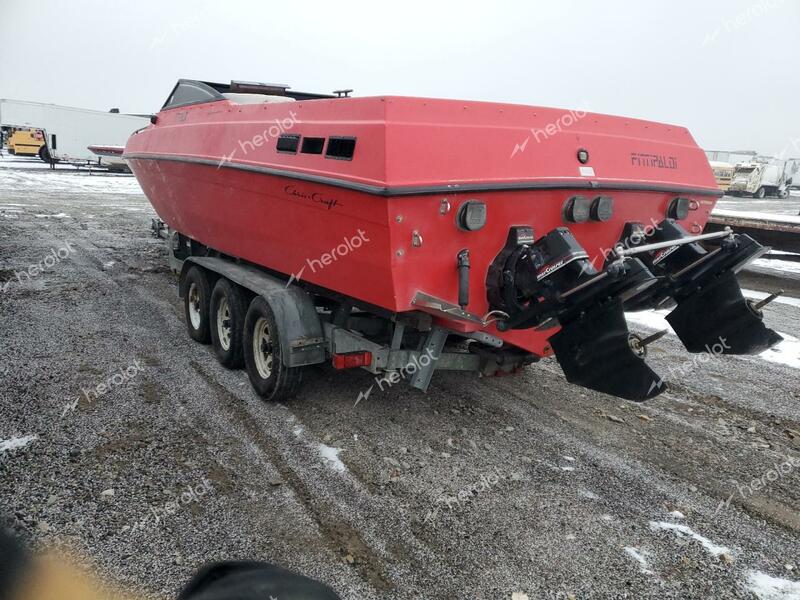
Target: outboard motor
(710,310)
(551,282)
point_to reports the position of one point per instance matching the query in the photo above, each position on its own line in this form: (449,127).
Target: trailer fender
(299,328)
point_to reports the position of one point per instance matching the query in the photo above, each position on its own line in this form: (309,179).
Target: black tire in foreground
(270,377)
(44,154)
(227,312)
(196,299)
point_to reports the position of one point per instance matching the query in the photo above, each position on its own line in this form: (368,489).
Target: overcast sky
(727,69)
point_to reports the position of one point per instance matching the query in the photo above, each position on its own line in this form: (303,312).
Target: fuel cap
(471,215)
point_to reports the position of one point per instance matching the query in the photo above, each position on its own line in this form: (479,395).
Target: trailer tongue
(466,258)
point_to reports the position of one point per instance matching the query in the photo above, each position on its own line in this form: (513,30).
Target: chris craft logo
(653,161)
(313,196)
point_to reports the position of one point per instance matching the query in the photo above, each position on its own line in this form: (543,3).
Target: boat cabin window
(288,143)
(312,145)
(341,148)
(192,92)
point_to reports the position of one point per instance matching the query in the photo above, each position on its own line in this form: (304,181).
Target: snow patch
(15,443)
(756,216)
(567,468)
(775,264)
(588,494)
(651,319)
(684,531)
(331,456)
(639,556)
(767,587)
(676,514)
(786,353)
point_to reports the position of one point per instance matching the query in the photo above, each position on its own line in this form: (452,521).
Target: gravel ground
(479,489)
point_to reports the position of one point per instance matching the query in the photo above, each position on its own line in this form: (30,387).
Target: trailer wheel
(196,304)
(227,312)
(44,154)
(270,377)
(760,192)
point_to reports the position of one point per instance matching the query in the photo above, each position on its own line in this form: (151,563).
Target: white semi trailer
(70,131)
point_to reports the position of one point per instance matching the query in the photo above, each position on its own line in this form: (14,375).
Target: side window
(312,145)
(341,148)
(288,143)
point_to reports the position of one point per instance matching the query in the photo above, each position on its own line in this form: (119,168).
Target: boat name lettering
(657,161)
(313,196)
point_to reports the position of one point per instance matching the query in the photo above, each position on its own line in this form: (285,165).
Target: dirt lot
(479,489)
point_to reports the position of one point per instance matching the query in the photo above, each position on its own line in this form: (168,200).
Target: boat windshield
(191,92)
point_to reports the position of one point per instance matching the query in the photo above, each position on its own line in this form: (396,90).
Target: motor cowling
(552,282)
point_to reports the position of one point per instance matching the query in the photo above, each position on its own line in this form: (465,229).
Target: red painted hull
(373,228)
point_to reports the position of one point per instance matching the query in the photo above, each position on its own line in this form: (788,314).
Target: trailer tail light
(351,360)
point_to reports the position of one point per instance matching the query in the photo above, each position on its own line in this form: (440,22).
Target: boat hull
(377,249)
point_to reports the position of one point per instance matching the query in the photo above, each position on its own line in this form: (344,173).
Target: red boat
(403,224)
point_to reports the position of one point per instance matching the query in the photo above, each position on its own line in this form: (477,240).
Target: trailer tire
(196,301)
(44,154)
(228,302)
(270,377)
(760,193)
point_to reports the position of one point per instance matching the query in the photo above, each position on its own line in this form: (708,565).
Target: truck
(723,173)
(68,132)
(760,179)
(25,142)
